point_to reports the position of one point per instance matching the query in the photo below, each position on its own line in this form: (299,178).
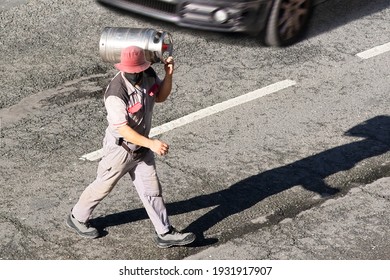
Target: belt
(120,142)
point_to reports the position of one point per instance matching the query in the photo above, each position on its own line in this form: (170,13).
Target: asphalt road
(227,174)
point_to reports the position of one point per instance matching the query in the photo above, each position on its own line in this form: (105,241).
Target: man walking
(129,101)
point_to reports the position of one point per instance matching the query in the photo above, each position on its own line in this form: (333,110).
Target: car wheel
(287,21)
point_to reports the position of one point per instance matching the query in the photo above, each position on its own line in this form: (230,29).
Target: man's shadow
(309,172)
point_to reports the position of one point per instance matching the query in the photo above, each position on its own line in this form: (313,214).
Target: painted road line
(96,155)
(222,106)
(203,113)
(374,51)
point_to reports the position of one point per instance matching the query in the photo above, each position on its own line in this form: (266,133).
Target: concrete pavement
(354,226)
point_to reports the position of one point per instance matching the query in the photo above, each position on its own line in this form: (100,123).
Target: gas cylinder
(158,45)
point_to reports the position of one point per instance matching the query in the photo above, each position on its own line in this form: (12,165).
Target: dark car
(277,22)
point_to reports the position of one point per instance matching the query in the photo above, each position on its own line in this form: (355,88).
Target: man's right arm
(132,136)
(117,117)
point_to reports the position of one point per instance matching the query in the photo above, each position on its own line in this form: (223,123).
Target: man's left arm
(166,84)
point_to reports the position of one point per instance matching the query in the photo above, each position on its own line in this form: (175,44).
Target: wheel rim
(292,17)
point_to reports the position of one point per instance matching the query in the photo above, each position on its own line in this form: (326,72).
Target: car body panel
(271,19)
(243,15)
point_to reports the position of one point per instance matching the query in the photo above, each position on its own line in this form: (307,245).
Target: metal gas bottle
(158,45)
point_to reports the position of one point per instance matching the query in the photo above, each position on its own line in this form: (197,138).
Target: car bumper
(226,16)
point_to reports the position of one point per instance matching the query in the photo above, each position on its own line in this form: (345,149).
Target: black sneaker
(173,238)
(84,229)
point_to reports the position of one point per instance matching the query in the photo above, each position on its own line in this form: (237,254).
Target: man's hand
(169,65)
(159,147)
(134,137)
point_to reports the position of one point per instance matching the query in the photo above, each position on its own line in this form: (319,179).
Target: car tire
(287,22)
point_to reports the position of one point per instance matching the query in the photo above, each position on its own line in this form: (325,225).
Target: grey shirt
(128,105)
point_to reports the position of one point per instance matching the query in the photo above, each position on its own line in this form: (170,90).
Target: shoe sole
(168,245)
(70,224)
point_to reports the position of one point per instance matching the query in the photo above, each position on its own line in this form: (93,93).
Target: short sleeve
(116,111)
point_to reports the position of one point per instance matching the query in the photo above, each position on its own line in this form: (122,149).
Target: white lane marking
(96,155)
(374,51)
(222,106)
(206,112)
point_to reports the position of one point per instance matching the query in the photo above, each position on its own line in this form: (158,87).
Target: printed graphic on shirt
(154,90)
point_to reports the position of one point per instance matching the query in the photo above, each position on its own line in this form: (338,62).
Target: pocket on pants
(146,180)
(113,162)
(151,185)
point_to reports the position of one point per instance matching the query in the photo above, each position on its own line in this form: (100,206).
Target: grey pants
(115,163)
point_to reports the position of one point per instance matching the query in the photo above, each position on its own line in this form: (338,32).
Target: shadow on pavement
(309,172)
